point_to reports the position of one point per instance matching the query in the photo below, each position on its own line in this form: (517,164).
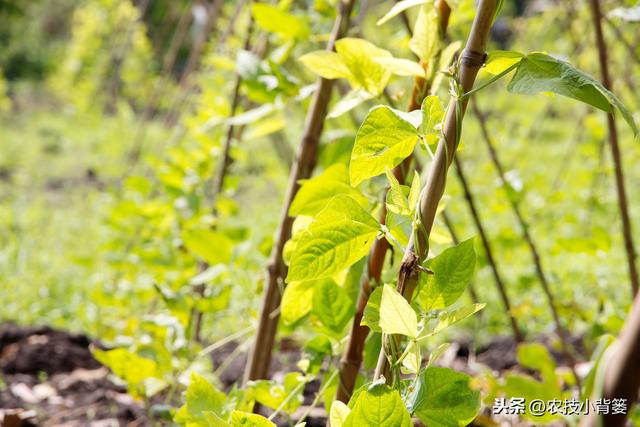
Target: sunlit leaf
(339,413)
(357,55)
(200,397)
(296,301)
(326,64)
(400,7)
(315,193)
(538,72)
(401,67)
(396,315)
(211,246)
(271,18)
(332,305)
(378,406)
(452,272)
(443,398)
(371,315)
(432,115)
(383,141)
(247,419)
(411,363)
(447,319)
(339,236)
(426,39)
(498,61)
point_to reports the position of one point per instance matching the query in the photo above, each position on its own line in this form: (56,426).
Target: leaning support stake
(615,152)
(417,250)
(563,335)
(517,333)
(622,373)
(260,355)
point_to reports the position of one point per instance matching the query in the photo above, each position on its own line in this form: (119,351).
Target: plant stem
(260,356)
(517,333)
(470,63)
(615,151)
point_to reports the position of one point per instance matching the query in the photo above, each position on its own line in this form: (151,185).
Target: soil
(50,378)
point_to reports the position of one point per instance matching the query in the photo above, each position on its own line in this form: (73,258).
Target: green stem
(490,81)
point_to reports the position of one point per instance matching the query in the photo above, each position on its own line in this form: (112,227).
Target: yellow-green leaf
(315,193)
(396,315)
(326,64)
(383,141)
(339,236)
(271,18)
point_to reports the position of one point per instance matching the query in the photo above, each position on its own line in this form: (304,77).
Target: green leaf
(400,7)
(208,245)
(315,193)
(127,365)
(522,386)
(437,352)
(538,72)
(447,319)
(397,201)
(432,115)
(272,19)
(358,55)
(378,406)
(396,315)
(425,42)
(383,141)
(200,397)
(443,398)
(246,419)
(371,315)
(597,356)
(339,236)
(496,12)
(536,356)
(500,60)
(332,305)
(401,67)
(272,394)
(452,271)
(326,64)
(414,192)
(350,101)
(297,301)
(412,361)
(338,414)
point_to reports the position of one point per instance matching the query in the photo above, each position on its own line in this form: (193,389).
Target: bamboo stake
(471,61)
(531,244)
(622,372)
(615,152)
(352,356)
(260,355)
(517,333)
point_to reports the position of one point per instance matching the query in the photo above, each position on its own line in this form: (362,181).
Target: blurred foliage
(128,249)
